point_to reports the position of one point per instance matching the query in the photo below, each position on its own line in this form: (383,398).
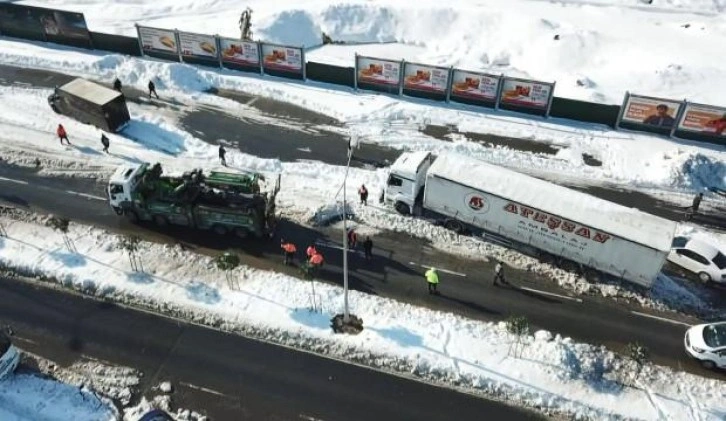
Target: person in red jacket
(310,251)
(363,193)
(289,249)
(352,238)
(61,132)
(315,263)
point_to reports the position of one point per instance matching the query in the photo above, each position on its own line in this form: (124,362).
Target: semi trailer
(560,225)
(91,103)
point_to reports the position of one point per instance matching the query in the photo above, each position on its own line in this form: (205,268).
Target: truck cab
(406,179)
(122,183)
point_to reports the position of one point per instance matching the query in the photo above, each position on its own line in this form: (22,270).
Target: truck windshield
(720,261)
(116,189)
(395,181)
(4,343)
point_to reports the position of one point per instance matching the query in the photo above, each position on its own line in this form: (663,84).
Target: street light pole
(346,311)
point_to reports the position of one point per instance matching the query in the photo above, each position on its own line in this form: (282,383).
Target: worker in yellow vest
(432,278)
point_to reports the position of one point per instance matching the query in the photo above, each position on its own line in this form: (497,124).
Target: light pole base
(353,327)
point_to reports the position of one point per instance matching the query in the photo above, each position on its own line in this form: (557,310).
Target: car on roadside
(699,258)
(9,356)
(707,343)
(156,415)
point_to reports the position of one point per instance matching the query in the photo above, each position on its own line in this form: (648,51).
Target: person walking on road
(352,238)
(105,142)
(289,250)
(432,279)
(315,263)
(62,135)
(222,153)
(363,193)
(152,89)
(117,84)
(311,250)
(499,274)
(694,206)
(368,248)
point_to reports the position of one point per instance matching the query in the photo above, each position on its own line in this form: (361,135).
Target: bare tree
(62,225)
(245,25)
(518,327)
(227,262)
(131,245)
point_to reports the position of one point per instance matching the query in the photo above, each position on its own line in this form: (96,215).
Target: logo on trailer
(477,203)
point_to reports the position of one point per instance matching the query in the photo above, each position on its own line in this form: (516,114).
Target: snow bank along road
(396,273)
(230,377)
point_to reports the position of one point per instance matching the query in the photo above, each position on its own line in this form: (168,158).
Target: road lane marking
(662,319)
(14,181)
(536,291)
(310,418)
(334,246)
(21,339)
(252,101)
(450,272)
(205,389)
(86,195)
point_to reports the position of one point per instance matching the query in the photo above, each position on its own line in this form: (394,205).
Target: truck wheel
(118,211)
(548,258)
(132,216)
(403,208)
(592,275)
(241,232)
(160,221)
(219,229)
(707,364)
(704,277)
(454,225)
(570,266)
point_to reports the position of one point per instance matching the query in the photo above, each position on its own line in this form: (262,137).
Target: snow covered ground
(553,373)
(605,47)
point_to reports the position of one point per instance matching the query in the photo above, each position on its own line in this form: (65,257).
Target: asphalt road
(227,376)
(396,272)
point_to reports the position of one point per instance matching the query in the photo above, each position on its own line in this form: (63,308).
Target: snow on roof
(407,164)
(92,92)
(614,219)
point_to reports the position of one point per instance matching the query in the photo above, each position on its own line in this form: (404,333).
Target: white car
(699,257)
(707,343)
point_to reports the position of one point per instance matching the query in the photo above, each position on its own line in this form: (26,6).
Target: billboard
(158,40)
(420,77)
(378,71)
(705,119)
(653,112)
(198,45)
(53,25)
(478,86)
(280,57)
(526,93)
(235,51)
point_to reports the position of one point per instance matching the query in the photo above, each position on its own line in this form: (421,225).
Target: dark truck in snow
(91,103)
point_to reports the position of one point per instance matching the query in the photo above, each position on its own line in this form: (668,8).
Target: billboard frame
(676,118)
(550,98)
(445,91)
(478,102)
(302,71)
(162,53)
(211,59)
(682,116)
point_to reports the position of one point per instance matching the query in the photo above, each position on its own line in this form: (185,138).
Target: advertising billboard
(282,58)
(653,112)
(477,86)
(40,23)
(705,119)
(420,77)
(378,71)
(245,53)
(526,93)
(158,40)
(198,45)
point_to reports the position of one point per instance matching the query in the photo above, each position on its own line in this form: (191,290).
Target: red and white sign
(154,39)
(556,224)
(478,86)
(378,71)
(477,202)
(279,57)
(240,52)
(197,45)
(526,93)
(704,119)
(425,78)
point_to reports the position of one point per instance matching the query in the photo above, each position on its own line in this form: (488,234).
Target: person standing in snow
(694,206)
(62,135)
(117,84)
(432,279)
(152,89)
(105,142)
(368,248)
(289,249)
(363,193)
(222,153)
(499,273)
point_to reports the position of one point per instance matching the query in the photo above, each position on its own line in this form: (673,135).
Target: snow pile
(164,402)
(555,375)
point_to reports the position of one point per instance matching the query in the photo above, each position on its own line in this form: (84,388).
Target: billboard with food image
(704,119)
(158,40)
(198,45)
(246,53)
(425,78)
(478,86)
(378,71)
(526,93)
(654,112)
(280,57)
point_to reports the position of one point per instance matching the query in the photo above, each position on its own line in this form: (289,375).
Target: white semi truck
(560,225)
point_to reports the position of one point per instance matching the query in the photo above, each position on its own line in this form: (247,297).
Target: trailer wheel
(219,229)
(403,208)
(592,275)
(131,216)
(241,232)
(704,277)
(454,225)
(119,211)
(160,220)
(570,266)
(548,258)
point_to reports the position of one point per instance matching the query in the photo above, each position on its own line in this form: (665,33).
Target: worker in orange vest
(61,132)
(316,262)
(311,251)
(289,250)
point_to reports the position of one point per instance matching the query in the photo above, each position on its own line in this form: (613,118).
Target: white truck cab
(122,183)
(406,178)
